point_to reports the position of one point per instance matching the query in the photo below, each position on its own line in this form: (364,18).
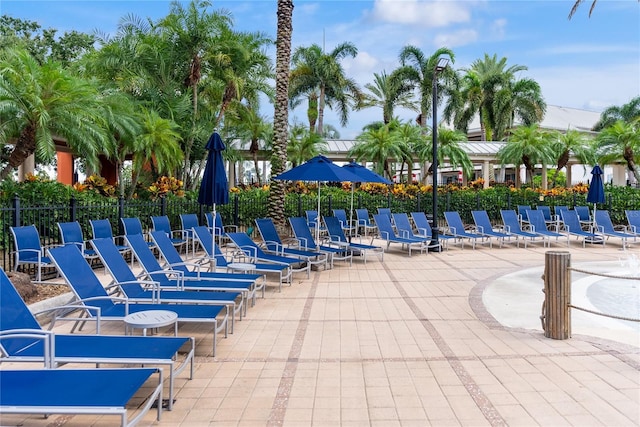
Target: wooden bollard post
(556,319)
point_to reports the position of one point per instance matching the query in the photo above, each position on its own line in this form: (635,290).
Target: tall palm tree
(316,73)
(40,101)
(571,142)
(627,113)
(418,70)
(621,141)
(388,92)
(450,150)
(281,109)
(377,145)
(490,90)
(528,146)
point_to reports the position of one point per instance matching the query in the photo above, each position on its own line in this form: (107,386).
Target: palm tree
(491,91)
(408,137)
(620,141)
(249,125)
(281,109)
(319,75)
(528,146)
(627,113)
(571,142)
(377,145)
(38,102)
(193,33)
(156,146)
(387,92)
(418,70)
(449,150)
(304,145)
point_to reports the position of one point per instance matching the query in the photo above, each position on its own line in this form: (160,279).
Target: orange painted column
(65,167)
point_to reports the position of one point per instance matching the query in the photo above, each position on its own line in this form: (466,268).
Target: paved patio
(404,342)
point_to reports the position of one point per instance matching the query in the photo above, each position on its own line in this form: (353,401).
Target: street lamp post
(434,246)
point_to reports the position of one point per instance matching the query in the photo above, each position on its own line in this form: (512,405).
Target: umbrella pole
(212,260)
(318,220)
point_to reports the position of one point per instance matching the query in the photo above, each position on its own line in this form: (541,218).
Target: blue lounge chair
(23,340)
(71,234)
(484,227)
(364,221)
(388,234)
(386,211)
(633,220)
(188,222)
(348,227)
(584,216)
(522,213)
(159,288)
(572,225)
(458,231)
(101,229)
(219,228)
(98,304)
(175,262)
(255,254)
(272,243)
(205,239)
(423,228)
(178,238)
(313,221)
(539,227)
(78,391)
(337,237)
(133,226)
(605,226)
(511,224)
(28,250)
(405,229)
(304,236)
(551,220)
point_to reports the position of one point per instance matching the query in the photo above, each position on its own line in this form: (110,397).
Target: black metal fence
(244,208)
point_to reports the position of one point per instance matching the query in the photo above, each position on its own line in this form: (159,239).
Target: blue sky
(589,63)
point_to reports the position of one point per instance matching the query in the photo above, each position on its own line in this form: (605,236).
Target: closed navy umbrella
(214,188)
(366,175)
(320,168)
(596,189)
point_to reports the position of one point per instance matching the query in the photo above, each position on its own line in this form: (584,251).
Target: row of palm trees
(155,90)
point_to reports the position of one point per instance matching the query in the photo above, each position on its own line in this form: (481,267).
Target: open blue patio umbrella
(214,188)
(319,169)
(366,175)
(596,188)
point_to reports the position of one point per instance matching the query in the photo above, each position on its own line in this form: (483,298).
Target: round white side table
(151,319)
(243,267)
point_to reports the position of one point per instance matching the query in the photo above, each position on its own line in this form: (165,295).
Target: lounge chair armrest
(62,311)
(233,228)
(38,334)
(274,246)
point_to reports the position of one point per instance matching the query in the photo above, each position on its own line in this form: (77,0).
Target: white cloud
(456,38)
(421,13)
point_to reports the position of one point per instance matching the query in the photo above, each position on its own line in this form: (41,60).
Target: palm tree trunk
(25,146)
(281,110)
(321,105)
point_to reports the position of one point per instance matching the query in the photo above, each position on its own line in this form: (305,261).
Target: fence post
(509,200)
(16,211)
(163,206)
(73,211)
(389,201)
(418,199)
(236,211)
(120,215)
(300,205)
(478,201)
(556,318)
(330,210)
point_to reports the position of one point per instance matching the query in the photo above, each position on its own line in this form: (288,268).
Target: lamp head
(442,64)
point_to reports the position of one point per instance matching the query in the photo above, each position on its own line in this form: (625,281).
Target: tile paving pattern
(404,342)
